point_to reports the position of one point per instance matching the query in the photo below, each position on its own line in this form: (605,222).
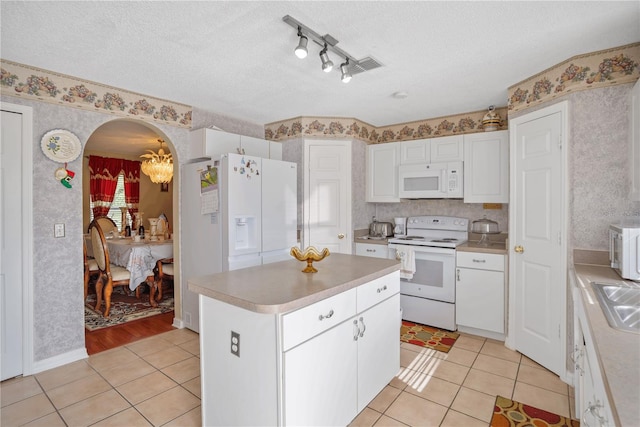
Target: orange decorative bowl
(310,254)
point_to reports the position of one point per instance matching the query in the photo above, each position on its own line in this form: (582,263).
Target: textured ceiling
(236,58)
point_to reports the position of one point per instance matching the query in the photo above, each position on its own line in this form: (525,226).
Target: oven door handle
(418,249)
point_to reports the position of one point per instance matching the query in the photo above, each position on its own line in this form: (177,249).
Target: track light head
(301,49)
(327,65)
(344,69)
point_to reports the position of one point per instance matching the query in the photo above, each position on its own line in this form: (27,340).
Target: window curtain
(131,169)
(103,173)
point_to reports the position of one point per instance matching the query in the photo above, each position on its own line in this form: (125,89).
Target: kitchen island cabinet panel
(309,349)
(319,378)
(228,379)
(379,329)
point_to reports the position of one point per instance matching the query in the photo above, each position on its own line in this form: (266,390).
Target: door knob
(341,236)
(518,249)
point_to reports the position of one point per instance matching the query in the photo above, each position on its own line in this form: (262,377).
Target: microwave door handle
(443,182)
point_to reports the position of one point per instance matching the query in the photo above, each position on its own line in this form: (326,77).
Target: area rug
(509,413)
(124,309)
(427,336)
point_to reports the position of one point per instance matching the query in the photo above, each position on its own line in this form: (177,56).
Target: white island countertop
(282,286)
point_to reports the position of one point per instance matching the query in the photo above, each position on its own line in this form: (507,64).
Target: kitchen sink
(620,303)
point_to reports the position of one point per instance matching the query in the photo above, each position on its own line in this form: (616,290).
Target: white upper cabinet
(415,152)
(486,167)
(634,143)
(382,172)
(447,149)
(275,150)
(254,146)
(208,142)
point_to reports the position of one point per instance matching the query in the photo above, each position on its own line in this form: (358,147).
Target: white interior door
(11,279)
(328,195)
(537,230)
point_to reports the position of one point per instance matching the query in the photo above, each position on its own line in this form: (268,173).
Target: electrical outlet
(235,343)
(58,230)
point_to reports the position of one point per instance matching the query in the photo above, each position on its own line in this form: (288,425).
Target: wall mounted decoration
(61,146)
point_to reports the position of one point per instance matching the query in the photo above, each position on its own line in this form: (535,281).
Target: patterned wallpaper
(593,70)
(336,127)
(47,86)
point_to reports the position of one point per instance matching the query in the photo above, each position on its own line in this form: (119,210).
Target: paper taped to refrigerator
(209,194)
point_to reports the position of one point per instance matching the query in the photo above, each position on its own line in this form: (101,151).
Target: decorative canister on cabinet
(491,120)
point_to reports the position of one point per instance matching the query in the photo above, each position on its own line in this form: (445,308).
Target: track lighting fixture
(344,69)
(301,50)
(328,43)
(327,65)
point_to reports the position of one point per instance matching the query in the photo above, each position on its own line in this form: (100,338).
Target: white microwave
(624,249)
(430,181)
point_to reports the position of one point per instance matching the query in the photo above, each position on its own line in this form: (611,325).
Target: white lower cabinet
(592,404)
(318,365)
(372,250)
(319,378)
(480,292)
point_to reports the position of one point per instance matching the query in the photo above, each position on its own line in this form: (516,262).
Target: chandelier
(158,166)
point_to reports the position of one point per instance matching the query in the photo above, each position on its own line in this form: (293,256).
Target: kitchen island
(282,347)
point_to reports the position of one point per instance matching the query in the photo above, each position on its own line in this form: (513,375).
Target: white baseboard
(482,333)
(178,323)
(59,360)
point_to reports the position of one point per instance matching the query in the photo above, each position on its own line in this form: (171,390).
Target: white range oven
(428,256)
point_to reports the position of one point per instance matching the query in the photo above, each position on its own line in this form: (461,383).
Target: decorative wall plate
(61,146)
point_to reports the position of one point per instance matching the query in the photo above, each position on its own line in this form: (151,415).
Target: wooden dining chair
(90,268)
(110,275)
(106,224)
(164,271)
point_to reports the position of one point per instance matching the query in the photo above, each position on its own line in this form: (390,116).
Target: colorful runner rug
(427,336)
(509,413)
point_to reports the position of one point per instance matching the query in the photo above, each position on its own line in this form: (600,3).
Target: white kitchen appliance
(428,297)
(400,227)
(624,248)
(431,181)
(237,211)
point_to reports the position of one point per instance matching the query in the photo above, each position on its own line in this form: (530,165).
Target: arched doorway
(128,139)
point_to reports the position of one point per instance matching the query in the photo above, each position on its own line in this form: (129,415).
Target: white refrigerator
(237,211)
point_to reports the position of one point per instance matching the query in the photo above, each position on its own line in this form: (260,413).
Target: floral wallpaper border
(597,69)
(47,86)
(341,127)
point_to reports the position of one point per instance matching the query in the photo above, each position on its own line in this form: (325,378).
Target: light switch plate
(58,230)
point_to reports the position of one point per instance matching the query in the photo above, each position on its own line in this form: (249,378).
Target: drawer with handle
(372,250)
(479,260)
(307,322)
(378,290)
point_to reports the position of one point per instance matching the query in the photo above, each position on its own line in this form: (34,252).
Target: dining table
(139,257)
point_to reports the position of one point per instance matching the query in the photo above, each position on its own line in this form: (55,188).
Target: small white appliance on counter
(428,256)
(238,211)
(400,229)
(431,181)
(624,248)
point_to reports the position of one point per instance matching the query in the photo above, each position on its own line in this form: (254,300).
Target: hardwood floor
(116,336)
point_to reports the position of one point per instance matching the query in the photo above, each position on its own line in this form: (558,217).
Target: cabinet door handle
(458,274)
(356,330)
(364,327)
(326,316)
(479,260)
(371,250)
(384,288)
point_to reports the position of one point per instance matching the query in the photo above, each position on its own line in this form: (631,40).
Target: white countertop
(282,286)
(618,351)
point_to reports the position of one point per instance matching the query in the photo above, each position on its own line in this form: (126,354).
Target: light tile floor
(156,382)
